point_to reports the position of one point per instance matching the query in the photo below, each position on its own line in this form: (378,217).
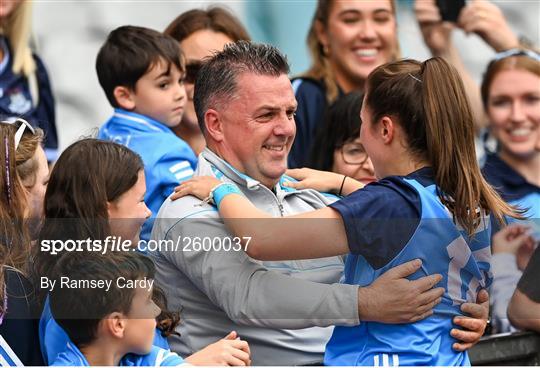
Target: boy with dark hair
(142,74)
(104,303)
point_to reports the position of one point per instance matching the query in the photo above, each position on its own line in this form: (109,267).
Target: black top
(529,284)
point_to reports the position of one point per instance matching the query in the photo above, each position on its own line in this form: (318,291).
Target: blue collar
(142,121)
(506,180)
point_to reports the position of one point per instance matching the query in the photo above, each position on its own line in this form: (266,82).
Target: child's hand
(230,351)
(199,186)
(322,181)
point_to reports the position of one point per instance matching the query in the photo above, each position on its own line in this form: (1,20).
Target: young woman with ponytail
(431,203)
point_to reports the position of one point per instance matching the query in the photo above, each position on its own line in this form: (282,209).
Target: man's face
(258,126)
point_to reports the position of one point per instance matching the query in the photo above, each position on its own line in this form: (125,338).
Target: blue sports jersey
(514,189)
(427,232)
(55,341)
(168,160)
(158,357)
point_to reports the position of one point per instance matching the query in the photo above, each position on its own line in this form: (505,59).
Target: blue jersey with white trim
(168,160)
(444,248)
(157,357)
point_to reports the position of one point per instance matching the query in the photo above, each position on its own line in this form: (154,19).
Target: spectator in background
(141,72)
(524,308)
(22,188)
(511,98)
(25,90)
(337,145)
(347,40)
(201,33)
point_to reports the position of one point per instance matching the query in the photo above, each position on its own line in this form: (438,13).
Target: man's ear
(114,324)
(387,129)
(214,125)
(124,97)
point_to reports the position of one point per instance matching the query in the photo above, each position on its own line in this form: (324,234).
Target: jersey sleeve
(174,167)
(380,219)
(45,113)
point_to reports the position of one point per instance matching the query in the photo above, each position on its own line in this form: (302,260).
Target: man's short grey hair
(217,78)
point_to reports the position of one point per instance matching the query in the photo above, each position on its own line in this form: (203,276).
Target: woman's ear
(214,125)
(387,129)
(320,32)
(124,97)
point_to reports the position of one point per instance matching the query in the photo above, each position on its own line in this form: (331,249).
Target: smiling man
(245,107)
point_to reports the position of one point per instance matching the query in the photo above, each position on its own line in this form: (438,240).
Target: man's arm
(523,312)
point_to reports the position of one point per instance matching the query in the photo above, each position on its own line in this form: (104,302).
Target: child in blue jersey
(142,74)
(430,203)
(103,200)
(104,325)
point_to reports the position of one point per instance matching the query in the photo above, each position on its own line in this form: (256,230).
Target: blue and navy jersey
(54,340)
(514,189)
(311,98)
(158,357)
(16,99)
(388,223)
(168,160)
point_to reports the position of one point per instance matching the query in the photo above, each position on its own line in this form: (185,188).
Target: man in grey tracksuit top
(284,310)
(272,305)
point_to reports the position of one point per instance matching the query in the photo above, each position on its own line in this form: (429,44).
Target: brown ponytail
(430,104)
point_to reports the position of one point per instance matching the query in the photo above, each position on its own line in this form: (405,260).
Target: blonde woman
(25,90)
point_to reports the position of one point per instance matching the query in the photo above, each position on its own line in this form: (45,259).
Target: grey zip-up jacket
(285,310)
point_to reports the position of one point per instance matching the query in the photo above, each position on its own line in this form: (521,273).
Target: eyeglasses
(20,131)
(354,154)
(192,70)
(515,52)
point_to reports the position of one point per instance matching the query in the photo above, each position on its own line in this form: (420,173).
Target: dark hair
(217,80)
(130,52)
(79,310)
(341,125)
(429,101)
(215,18)
(87,175)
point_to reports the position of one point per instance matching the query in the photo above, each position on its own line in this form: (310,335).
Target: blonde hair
(17,30)
(320,68)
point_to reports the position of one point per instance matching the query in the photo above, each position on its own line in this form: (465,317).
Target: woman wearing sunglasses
(23,178)
(201,33)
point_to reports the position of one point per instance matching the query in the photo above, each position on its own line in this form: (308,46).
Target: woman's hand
(198,186)
(229,351)
(322,181)
(515,239)
(437,34)
(487,20)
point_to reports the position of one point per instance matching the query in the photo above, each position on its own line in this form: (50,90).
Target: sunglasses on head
(192,69)
(515,52)
(22,126)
